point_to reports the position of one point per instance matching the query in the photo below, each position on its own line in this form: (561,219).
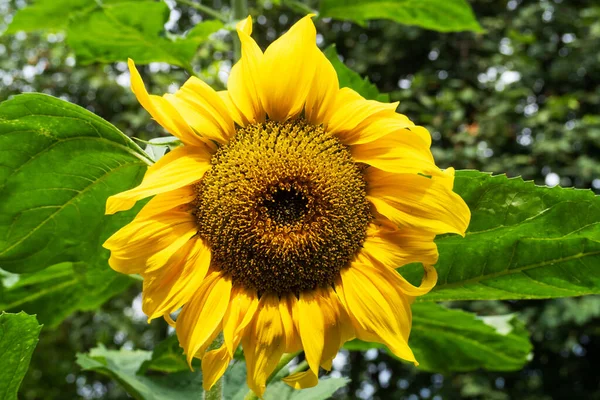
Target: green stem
(240,10)
(215,392)
(204,9)
(285,360)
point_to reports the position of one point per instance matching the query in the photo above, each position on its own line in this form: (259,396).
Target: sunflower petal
(263,343)
(411,200)
(302,380)
(167,289)
(133,245)
(214,365)
(311,326)
(397,247)
(399,152)
(242,308)
(162,111)
(202,316)
(322,93)
(287,70)
(243,82)
(202,108)
(180,167)
(355,120)
(178,199)
(287,307)
(379,312)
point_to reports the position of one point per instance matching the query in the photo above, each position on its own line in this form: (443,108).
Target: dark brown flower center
(283,207)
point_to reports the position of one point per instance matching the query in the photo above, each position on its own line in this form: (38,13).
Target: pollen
(283,207)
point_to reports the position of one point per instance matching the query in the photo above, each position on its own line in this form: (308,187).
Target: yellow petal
(142,238)
(355,120)
(321,96)
(302,380)
(236,115)
(416,201)
(242,308)
(379,312)
(243,84)
(178,199)
(311,326)
(214,365)
(398,281)
(202,108)
(163,112)
(287,305)
(167,289)
(263,343)
(339,326)
(180,167)
(287,71)
(200,317)
(397,247)
(401,151)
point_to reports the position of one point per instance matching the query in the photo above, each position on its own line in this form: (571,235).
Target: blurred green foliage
(521,98)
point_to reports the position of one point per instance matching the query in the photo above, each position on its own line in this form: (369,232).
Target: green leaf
(51,15)
(133,30)
(438,15)
(235,388)
(167,357)
(115,30)
(60,163)
(18,337)
(353,80)
(122,365)
(324,390)
(524,242)
(445,340)
(59,290)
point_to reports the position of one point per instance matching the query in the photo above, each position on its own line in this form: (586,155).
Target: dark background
(521,99)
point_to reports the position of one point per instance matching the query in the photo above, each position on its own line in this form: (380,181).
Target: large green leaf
(115,30)
(122,365)
(524,242)
(445,340)
(18,337)
(351,79)
(438,15)
(59,164)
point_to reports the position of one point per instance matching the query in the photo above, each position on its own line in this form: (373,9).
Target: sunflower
(280,221)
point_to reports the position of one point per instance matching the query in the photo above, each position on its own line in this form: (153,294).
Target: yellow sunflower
(282,218)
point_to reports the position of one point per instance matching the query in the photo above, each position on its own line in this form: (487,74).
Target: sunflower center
(283,207)
(286,207)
